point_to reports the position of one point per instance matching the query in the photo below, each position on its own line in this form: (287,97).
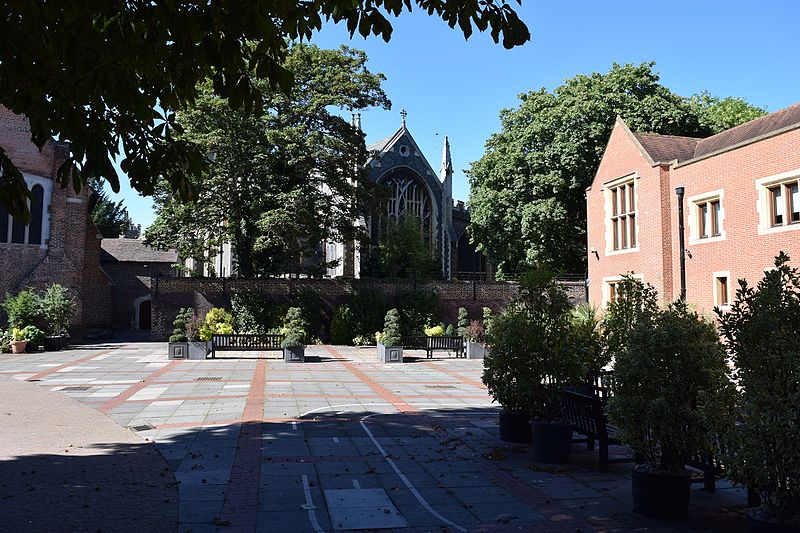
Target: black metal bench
(245,342)
(450,343)
(587,415)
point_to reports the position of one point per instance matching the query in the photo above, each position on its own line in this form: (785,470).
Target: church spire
(447,163)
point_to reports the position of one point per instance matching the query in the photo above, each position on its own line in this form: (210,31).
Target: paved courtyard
(341,442)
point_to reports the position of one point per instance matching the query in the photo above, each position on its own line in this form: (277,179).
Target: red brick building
(61,244)
(741,207)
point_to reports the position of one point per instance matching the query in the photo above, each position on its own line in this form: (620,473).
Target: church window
(408,197)
(37,212)
(15,231)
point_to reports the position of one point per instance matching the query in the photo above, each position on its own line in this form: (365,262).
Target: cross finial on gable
(404,115)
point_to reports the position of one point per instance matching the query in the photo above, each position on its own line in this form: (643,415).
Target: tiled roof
(380,145)
(134,251)
(663,148)
(667,147)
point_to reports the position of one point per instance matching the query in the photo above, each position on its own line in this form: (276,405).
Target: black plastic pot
(515,427)
(663,496)
(552,441)
(55,343)
(758,522)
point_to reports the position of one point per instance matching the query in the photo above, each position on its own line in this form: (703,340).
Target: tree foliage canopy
(283,181)
(111,218)
(109,76)
(527,192)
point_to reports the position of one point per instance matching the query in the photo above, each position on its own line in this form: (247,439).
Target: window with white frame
(779,202)
(14,231)
(706,217)
(621,220)
(610,287)
(722,289)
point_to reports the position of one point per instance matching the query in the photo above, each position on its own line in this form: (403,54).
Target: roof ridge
(761,118)
(668,135)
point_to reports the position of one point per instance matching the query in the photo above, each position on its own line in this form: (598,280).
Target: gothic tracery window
(408,196)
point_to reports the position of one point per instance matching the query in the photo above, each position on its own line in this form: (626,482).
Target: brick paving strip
(136,387)
(560,518)
(240,507)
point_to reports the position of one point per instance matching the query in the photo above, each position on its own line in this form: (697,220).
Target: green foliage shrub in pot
(5,341)
(390,347)
(17,341)
(672,398)
(57,307)
(23,309)
(762,451)
(463,321)
(218,321)
(531,356)
(34,338)
(295,331)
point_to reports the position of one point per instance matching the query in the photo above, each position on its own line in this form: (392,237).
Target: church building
(415,189)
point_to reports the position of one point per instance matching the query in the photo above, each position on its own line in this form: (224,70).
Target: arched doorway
(142,313)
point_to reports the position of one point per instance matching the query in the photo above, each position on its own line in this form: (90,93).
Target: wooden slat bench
(245,342)
(450,343)
(588,417)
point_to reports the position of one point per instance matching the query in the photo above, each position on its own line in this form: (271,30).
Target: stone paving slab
(257,444)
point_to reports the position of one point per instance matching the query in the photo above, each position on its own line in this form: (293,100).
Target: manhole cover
(209,378)
(145,427)
(75,389)
(440,387)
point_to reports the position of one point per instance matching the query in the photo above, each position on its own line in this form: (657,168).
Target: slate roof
(380,145)
(664,148)
(134,251)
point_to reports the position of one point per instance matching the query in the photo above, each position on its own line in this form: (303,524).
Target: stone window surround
(763,207)
(47,186)
(722,274)
(607,210)
(694,203)
(608,281)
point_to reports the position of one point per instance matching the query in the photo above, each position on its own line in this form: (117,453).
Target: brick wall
(132,281)
(170,294)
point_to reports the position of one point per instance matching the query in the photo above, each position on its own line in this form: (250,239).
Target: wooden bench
(245,342)
(587,415)
(450,343)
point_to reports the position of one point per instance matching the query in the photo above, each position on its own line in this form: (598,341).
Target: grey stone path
(342,442)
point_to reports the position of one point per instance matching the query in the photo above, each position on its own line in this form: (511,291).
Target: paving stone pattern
(345,442)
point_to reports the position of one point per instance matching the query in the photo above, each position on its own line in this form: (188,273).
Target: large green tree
(527,196)
(109,75)
(719,114)
(110,217)
(281,181)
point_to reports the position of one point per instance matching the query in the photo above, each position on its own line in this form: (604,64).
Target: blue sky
(454,87)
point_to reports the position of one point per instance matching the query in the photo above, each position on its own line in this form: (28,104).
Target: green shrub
(310,303)
(5,341)
(531,346)
(23,309)
(57,308)
(17,335)
(33,335)
(365,340)
(391,329)
(341,326)
(217,321)
(670,388)
(463,320)
(762,334)
(294,328)
(253,312)
(417,309)
(435,331)
(367,309)
(634,302)
(588,337)
(184,326)
(475,332)
(449,330)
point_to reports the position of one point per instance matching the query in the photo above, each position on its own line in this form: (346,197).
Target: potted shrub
(5,341)
(390,347)
(475,335)
(18,341)
(463,321)
(23,308)
(434,331)
(184,343)
(34,338)
(531,357)
(217,321)
(670,393)
(294,336)
(762,334)
(57,308)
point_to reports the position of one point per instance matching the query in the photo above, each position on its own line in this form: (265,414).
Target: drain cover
(145,427)
(75,389)
(440,387)
(209,378)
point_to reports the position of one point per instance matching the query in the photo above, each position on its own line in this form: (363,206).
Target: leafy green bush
(367,308)
(435,331)
(217,321)
(57,307)
(671,388)
(341,326)
(294,328)
(33,335)
(588,337)
(253,312)
(17,335)
(762,334)
(391,329)
(5,341)
(184,326)
(364,340)
(23,309)
(463,320)
(475,332)
(531,349)
(417,309)
(634,301)
(449,330)
(310,303)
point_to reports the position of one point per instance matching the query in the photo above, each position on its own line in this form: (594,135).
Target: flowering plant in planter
(762,334)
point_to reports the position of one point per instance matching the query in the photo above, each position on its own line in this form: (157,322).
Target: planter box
(56,343)
(476,350)
(188,350)
(295,354)
(390,354)
(18,347)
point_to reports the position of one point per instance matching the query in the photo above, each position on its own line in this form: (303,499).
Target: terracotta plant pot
(18,346)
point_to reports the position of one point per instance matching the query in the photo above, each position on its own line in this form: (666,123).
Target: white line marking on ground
(356,484)
(312,514)
(336,440)
(294,425)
